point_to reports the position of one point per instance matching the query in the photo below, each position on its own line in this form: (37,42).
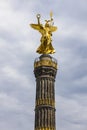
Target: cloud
(14,115)
(71,113)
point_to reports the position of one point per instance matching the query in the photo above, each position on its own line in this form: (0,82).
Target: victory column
(45,69)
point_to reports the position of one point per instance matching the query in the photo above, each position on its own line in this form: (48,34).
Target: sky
(18,44)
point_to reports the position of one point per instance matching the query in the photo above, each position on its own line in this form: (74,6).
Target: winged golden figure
(46,38)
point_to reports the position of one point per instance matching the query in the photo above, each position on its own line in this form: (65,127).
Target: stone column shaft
(45,72)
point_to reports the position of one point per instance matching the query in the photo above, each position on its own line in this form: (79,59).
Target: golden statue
(46,32)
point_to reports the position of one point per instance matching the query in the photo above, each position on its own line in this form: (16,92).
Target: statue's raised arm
(46,32)
(38,26)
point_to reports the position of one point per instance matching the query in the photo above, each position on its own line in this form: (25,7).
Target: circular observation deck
(45,60)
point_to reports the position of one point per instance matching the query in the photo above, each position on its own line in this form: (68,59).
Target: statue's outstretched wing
(37,27)
(53,28)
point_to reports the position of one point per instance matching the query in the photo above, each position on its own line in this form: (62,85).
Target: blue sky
(18,44)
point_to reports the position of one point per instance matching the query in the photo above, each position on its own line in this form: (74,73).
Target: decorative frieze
(45,102)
